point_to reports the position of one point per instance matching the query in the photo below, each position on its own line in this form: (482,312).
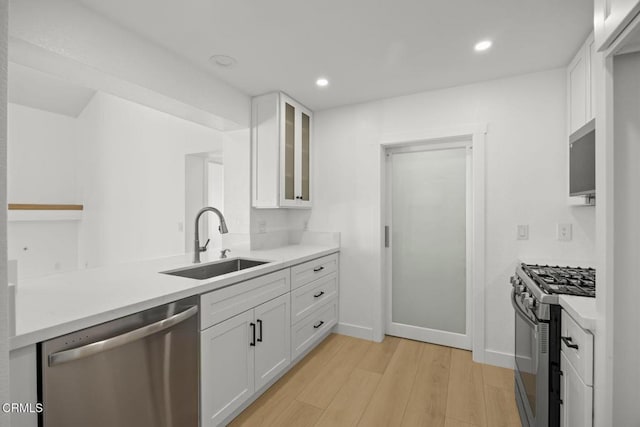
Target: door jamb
(477,134)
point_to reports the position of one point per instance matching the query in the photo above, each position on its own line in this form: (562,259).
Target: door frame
(476,135)
(434,336)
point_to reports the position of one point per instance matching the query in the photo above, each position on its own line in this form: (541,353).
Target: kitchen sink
(218,268)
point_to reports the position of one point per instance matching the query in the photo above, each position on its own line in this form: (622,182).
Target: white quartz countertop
(62,303)
(581,309)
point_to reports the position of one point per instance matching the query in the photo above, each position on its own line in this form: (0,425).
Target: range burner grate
(563,280)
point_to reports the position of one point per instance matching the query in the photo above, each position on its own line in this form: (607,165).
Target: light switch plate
(523,232)
(563,232)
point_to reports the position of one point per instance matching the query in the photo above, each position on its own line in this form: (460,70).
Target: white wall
(624,318)
(132,175)
(42,168)
(4,340)
(526,158)
(41,156)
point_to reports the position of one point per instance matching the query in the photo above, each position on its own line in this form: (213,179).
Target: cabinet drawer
(306,332)
(582,357)
(309,271)
(307,298)
(227,302)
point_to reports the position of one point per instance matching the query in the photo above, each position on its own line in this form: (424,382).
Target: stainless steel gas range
(537,336)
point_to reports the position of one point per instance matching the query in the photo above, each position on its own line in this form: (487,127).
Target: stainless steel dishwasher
(140,370)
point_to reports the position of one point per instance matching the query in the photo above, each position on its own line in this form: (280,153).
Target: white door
(428,256)
(273,339)
(227,364)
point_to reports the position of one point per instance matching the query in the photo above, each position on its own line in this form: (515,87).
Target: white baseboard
(355,331)
(497,358)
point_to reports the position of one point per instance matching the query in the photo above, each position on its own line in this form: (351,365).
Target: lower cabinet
(306,333)
(242,354)
(576,367)
(253,330)
(577,397)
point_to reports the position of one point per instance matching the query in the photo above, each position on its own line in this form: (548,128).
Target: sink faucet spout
(222,229)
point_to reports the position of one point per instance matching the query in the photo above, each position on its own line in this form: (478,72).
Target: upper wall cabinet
(611,18)
(581,86)
(280,152)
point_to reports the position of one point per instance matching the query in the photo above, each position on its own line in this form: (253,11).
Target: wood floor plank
(450,422)
(388,403)
(268,406)
(298,414)
(379,355)
(501,407)
(321,390)
(346,381)
(348,405)
(465,397)
(427,404)
(497,377)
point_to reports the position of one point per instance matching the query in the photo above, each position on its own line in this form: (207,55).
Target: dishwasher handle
(119,340)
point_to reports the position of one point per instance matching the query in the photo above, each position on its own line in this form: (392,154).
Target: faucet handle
(204,248)
(223,253)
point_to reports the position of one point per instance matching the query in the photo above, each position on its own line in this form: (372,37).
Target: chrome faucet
(222,229)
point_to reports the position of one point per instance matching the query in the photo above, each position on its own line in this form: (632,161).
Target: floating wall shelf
(44,212)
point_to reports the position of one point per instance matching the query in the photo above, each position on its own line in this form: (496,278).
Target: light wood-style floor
(351,382)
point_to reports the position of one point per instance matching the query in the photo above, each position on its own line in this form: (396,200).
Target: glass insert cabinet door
(296,154)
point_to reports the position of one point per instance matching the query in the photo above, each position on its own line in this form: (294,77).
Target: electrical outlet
(523,232)
(563,232)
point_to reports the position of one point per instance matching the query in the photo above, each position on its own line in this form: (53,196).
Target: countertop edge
(34,337)
(583,311)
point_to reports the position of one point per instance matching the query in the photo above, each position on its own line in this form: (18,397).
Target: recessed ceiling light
(322,82)
(483,45)
(223,60)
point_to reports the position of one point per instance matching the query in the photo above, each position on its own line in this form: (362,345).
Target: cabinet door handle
(253,333)
(315,270)
(569,342)
(260,324)
(317,325)
(319,294)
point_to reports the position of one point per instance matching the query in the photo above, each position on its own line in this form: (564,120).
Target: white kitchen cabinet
(273,348)
(577,397)
(241,355)
(23,364)
(226,360)
(611,18)
(576,367)
(580,86)
(281,146)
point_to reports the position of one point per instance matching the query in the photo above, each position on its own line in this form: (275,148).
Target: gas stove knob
(529,302)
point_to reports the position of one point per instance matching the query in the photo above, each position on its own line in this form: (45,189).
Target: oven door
(531,366)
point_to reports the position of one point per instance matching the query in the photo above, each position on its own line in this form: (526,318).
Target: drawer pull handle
(569,342)
(317,325)
(315,270)
(253,333)
(319,294)
(260,324)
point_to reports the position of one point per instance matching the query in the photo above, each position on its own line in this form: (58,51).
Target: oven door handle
(521,313)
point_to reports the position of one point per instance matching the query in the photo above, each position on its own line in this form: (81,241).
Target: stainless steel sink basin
(218,268)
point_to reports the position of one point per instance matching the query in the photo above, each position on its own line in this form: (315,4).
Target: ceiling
(35,89)
(368,49)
